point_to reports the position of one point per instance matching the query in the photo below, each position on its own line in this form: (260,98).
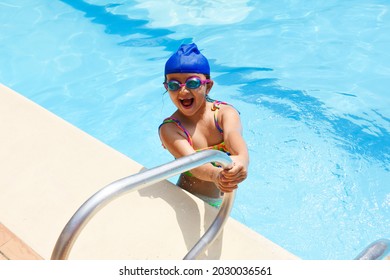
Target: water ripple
(356,134)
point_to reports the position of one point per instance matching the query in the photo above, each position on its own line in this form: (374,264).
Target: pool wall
(49,168)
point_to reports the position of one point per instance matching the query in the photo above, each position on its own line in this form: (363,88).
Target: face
(188,91)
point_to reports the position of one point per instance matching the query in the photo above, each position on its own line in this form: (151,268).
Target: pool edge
(52,167)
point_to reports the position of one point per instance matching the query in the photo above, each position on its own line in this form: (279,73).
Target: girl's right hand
(229,178)
(224,184)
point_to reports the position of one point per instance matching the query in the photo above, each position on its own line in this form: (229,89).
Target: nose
(183,88)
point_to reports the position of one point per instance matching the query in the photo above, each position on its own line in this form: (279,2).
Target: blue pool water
(310,79)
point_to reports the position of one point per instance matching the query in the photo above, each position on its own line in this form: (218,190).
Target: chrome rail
(214,230)
(377,250)
(138,181)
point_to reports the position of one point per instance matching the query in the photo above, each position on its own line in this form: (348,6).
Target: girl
(201,123)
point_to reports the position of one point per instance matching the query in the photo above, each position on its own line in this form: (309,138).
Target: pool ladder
(141,180)
(376,250)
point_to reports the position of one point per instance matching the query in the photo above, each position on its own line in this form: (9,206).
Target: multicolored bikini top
(220,147)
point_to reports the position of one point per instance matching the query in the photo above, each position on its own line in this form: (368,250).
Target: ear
(209,86)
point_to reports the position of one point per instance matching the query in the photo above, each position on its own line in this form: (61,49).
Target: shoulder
(175,137)
(171,129)
(226,110)
(169,120)
(218,105)
(168,131)
(169,124)
(229,118)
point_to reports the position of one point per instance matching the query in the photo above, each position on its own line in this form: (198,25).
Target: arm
(235,143)
(174,140)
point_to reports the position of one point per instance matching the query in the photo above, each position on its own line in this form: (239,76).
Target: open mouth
(186,103)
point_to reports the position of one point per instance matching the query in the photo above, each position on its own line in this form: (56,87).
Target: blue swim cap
(187,59)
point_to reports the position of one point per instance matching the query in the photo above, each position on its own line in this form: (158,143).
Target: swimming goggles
(191,83)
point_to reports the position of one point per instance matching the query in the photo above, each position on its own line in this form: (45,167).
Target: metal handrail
(377,250)
(214,230)
(138,181)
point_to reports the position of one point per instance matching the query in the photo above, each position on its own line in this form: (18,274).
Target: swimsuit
(216,202)
(220,147)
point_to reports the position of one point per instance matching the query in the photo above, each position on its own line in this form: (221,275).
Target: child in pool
(201,123)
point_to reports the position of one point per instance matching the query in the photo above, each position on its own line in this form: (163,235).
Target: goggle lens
(173,85)
(193,83)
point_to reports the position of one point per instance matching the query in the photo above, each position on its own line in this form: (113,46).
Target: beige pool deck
(48,168)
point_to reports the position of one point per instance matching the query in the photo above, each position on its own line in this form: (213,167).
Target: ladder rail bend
(138,181)
(377,250)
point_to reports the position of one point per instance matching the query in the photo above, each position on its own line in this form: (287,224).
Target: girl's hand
(223,184)
(235,175)
(229,178)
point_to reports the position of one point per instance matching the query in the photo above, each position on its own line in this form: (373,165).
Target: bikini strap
(180,126)
(216,108)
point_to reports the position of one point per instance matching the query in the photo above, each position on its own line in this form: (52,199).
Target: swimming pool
(309,79)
